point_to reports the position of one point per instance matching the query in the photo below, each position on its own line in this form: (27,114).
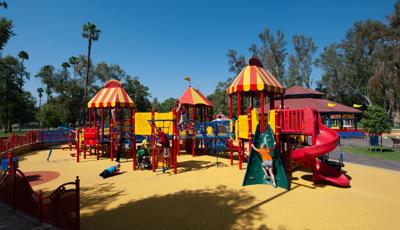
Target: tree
(65,65)
(139,93)
(375,120)
(48,93)
(305,49)
(272,53)
(294,77)
(166,105)
(51,115)
(236,63)
(6,32)
(91,33)
(73,61)
(40,93)
(4,5)
(13,98)
(23,55)
(219,97)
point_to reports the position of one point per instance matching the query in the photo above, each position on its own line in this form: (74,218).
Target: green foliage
(272,53)
(375,120)
(52,115)
(165,106)
(17,104)
(236,63)
(6,32)
(305,49)
(219,97)
(139,93)
(293,72)
(363,67)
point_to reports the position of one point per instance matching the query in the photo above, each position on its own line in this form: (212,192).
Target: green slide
(254,173)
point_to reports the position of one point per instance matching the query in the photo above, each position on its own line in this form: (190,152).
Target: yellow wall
(242,126)
(142,126)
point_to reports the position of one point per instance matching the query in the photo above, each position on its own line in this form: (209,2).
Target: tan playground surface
(203,196)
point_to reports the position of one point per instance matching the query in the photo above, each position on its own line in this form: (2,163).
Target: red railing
(291,120)
(14,141)
(60,208)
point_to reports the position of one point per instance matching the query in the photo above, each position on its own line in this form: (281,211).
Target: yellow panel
(254,120)
(142,126)
(167,126)
(271,119)
(243,127)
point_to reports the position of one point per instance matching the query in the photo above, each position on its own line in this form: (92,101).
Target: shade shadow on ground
(94,198)
(218,208)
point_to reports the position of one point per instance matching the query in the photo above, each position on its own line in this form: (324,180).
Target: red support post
(9,163)
(77,144)
(95,117)
(90,117)
(111,135)
(133,138)
(262,128)
(230,139)
(193,134)
(153,141)
(175,140)
(250,132)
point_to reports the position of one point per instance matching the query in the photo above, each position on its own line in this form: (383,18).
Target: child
(164,142)
(181,110)
(110,171)
(146,145)
(267,162)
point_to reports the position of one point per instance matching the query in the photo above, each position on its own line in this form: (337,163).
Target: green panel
(254,173)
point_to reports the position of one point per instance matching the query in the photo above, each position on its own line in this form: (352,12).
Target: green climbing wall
(254,173)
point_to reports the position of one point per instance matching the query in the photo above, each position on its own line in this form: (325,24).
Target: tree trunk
(87,76)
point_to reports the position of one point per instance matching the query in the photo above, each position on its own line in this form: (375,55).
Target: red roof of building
(300,90)
(321,105)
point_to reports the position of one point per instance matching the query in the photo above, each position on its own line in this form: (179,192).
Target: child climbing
(267,162)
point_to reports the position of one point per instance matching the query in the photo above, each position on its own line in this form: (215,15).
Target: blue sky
(163,41)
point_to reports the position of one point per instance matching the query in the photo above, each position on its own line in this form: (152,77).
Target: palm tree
(48,92)
(73,61)
(40,92)
(65,65)
(23,55)
(91,33)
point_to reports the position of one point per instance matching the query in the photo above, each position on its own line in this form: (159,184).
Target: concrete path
(17,221)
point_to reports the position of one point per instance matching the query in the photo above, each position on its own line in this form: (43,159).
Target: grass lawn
(387,153)
(19,133)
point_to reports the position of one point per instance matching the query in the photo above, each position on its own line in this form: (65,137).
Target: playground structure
(118,133)
(287,131)
(284,130)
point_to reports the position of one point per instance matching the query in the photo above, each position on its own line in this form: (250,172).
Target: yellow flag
(357,106)
(331,105)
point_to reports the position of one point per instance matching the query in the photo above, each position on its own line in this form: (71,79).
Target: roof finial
(187,78)
(255,62)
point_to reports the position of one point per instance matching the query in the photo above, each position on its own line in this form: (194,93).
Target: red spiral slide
(324,141)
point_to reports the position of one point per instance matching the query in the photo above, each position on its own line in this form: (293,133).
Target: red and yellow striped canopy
(111,96)
(254,78)
(194,97)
